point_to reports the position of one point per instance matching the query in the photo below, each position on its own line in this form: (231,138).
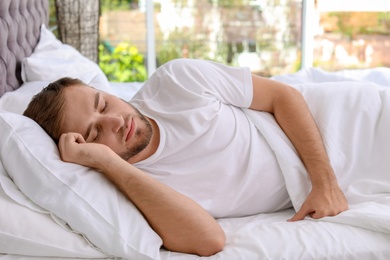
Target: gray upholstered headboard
(20,22)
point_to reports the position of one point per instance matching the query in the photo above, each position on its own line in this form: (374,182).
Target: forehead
(82,97)
(78,106)
(82,91)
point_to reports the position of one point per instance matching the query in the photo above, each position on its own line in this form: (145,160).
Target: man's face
(103,118)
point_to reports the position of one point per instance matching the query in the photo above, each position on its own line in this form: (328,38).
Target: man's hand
(322,202)
(73,148)
(183,225)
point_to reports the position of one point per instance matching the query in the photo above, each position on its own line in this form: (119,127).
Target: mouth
(131,129)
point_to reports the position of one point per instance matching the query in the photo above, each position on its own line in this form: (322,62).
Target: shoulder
(209,79)
(184,62)
(184,65)
(178,77)
(183,73)
(204,71)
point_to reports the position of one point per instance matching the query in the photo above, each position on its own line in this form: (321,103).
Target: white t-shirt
(209,149)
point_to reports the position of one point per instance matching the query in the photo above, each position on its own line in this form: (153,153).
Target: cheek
(110,141)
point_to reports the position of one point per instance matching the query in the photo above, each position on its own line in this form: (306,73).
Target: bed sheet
(270,236)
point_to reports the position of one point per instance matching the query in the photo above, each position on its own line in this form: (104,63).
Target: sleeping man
(184,151)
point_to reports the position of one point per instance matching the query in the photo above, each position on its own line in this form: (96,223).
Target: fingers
(72,137)
(319,204)
(73,148)
(316,214)
(301,214)
(67,143)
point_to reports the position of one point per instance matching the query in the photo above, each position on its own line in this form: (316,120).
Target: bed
(49,211)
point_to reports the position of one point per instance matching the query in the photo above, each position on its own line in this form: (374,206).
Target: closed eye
(98,127)
(98,131)
(105,107)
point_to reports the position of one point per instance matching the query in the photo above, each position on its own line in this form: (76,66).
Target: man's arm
(183,225)
(292,114)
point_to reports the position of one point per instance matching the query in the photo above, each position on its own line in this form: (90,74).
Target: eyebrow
(95,106)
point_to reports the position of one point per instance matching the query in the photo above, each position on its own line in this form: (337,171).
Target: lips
(131,128)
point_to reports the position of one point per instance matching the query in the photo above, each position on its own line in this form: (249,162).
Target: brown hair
(46,107)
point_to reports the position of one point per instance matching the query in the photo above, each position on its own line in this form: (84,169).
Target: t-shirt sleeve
(229,85)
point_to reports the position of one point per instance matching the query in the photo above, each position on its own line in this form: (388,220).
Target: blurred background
(269,36)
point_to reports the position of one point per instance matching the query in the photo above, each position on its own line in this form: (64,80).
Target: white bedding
(347,108)
(362,232)
(354,120)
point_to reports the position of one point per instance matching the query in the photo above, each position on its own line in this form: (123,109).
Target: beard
(142,137)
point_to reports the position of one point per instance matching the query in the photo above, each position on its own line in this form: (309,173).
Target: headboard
(20,22)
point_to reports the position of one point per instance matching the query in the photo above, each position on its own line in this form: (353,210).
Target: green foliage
(384,20)
(123,64)
(180,44)
(117,4)
(168,51)
(53,18)
(384,16)
(194,49)
(352,23)
(231,3)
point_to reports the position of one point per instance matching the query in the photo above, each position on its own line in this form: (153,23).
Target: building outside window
(265,35)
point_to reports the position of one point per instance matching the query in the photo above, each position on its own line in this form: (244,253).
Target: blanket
(353,117)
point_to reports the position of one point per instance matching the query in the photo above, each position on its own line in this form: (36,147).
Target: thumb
(301,214)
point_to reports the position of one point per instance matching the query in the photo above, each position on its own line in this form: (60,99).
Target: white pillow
(52,60)
(18,100)
(82,197)
(27,232)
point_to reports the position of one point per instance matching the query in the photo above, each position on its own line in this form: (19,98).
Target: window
(263,35)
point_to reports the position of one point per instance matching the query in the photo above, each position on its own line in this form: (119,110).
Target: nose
(112,122)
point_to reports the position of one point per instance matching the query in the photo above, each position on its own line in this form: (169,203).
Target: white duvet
(354,120)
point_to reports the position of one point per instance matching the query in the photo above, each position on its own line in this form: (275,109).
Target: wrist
(104,159)
(323,177)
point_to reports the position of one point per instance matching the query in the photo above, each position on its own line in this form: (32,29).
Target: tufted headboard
(20,22)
